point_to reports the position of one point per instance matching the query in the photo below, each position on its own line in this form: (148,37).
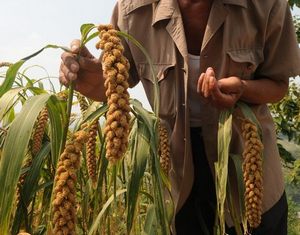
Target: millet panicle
(116,72)
(252,172)
(64,193)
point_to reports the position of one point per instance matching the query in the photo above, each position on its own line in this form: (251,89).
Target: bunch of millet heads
(252,172)
(116,73)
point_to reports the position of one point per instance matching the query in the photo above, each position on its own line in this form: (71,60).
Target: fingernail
(74,48)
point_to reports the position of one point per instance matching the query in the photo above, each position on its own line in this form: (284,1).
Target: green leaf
(7,101)
(148,58)
(140,155)
(146,117)
(13,69)
(248,113)
(85,29)
(30,186)
(96,223)
(221,166)
(150,227)
(14,150)
(57,116)
(90,37)
(237,160)
(31,182)
(238,216)
(10,77)
(46,47)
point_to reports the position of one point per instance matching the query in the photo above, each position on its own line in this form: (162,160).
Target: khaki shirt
(250,39)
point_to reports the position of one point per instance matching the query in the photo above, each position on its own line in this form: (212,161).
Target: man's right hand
(81,67)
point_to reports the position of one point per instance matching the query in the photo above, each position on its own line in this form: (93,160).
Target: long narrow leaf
(14,150)
(96,223)
(7,101)
(13,69)
(141,154)
(30,185)
(156,97)
(11,74)
(221,167)
(150,227)
(57,116)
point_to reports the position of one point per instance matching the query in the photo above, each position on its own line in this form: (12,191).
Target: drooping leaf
(13,69)
(10,77)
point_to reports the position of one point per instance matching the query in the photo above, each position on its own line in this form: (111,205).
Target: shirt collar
(165,9)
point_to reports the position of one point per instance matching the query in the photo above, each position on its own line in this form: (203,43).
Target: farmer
(208,54)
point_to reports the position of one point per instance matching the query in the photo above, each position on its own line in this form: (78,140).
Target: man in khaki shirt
(246,50)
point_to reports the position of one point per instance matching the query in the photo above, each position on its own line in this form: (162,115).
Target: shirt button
(184,139)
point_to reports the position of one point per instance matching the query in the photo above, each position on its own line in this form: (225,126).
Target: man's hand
(223,93)
(84,69)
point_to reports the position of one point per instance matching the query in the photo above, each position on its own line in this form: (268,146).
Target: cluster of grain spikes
(64,193)
(83,104)
(37,139)
(62,95)
(252,172)
(91,159)
(39,131)
(164,149)
(5,64)
(116,72)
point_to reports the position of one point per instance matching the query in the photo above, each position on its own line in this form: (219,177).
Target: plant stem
(69,109)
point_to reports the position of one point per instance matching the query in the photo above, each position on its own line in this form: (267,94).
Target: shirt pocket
(164,73)
(244,62)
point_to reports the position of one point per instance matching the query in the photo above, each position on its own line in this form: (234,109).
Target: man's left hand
(223,93)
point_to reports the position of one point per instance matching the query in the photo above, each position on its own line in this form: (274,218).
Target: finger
(75,45)
(200,82)
(203,86)
(77,48)
(62,79)
(70,76)
(69,60)
(211,85)
(210,77)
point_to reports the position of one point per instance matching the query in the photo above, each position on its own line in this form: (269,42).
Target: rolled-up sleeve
(281,50)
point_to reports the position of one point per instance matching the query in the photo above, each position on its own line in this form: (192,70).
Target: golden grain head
(252,167)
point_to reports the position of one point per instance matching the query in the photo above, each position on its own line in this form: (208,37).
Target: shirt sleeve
(281,50)
(133,74)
